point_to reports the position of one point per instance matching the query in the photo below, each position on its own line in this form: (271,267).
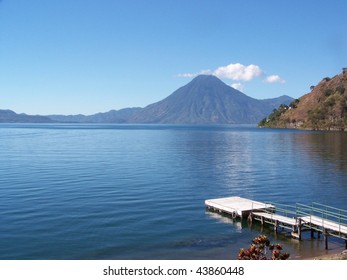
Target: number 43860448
(205,270)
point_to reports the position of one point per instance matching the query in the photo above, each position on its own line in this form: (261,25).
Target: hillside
(324,108)
(8,116)
(207,100)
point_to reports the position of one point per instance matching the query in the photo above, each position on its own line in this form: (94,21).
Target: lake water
(138,191)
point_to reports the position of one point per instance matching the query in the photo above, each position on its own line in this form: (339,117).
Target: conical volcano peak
(206,79)
(207,82)
(205,99)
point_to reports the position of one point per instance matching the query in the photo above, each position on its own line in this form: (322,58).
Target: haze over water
(138,191)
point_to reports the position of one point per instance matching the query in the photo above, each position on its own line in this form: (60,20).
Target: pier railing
(299,218)
(323,217)
(279,215)
(319,217)
(284,210)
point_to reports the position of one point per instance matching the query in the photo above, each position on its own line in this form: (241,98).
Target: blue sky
(83,56)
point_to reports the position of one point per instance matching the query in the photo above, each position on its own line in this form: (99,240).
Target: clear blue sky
(84,56)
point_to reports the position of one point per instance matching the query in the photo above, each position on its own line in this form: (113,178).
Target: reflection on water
(226,219)
(330,147)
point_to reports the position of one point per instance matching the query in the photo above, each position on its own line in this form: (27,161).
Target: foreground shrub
(262,249)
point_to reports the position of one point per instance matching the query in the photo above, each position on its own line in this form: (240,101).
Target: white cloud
(238,72)
(238,86)
(274,79)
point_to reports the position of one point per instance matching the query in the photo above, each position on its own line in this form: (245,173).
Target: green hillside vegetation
(324,108)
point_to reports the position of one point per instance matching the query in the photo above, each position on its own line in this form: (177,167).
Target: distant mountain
(113,116)
(324,108)
(207,100)
(8,116)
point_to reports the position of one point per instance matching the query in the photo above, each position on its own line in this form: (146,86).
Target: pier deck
(318,222)
(274,219)
(297,218)
(237,206)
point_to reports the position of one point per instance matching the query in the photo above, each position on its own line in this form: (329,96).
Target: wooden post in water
(250,219)
(325,233)
(276,225)
(299,228)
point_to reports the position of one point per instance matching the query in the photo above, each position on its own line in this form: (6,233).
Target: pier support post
(250,218)
(276,226)
(346,244)
(325,233)
(299,228)
(312,233)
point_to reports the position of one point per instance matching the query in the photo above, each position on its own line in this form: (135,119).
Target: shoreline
(336,255)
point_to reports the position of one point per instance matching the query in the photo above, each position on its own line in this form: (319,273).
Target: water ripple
(137,192)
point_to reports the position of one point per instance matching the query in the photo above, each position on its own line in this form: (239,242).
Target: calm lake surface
(137,191)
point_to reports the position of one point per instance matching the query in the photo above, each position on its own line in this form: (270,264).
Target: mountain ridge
(10,116)
(112,116)
(204,100)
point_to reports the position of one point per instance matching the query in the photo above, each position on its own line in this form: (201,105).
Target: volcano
(206,99)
